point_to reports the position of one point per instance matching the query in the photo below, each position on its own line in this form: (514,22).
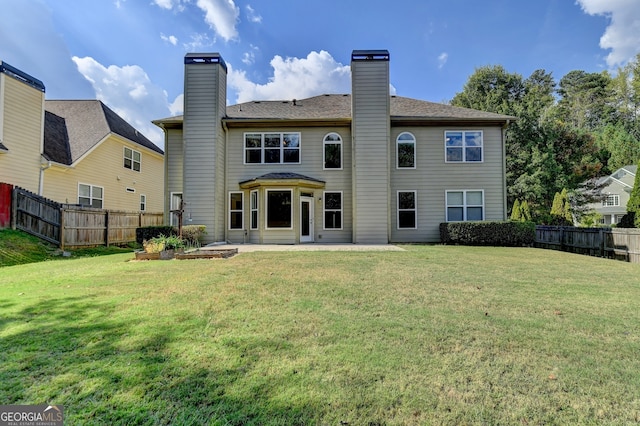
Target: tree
(516,214)
(561,210)
(525,211)
(584,99)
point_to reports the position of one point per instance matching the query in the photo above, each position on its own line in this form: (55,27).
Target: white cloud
(198,42)
(170,39)
(252,15)
(177,106)
(165,4)
(442,59)
(222,16)
(130,93)
(298,78)
(622,35)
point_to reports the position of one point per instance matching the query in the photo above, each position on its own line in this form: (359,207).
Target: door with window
(306,219)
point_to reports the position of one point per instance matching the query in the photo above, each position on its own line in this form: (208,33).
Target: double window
(271,148)
(332,153)
(132,159)
(612,200)
(90,196)
(407,210)
(463,146)
(406,151)
(465,205)
(332,210)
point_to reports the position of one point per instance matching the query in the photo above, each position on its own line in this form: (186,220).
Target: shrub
(193,234)
(628,220)
(488,233)
(516,213)
(149,232)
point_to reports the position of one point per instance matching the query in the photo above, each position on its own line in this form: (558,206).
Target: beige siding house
(95,158)
(76,152)
(364,167)
(21,127)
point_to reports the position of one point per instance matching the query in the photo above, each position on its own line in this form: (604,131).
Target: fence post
(62,215)
(106,226)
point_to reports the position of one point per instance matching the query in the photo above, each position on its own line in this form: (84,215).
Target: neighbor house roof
(338,108)
(72,128)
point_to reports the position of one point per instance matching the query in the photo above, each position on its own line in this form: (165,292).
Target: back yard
(433,335)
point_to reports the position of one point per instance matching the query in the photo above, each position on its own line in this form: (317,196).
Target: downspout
(226,165)
(43,167)
(504,168)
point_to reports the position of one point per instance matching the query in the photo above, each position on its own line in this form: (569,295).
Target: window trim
(266,210)
(324,210)
(133,161)
(325,142)
(415,145)
(464,146)
(262,148)
(91,197)
(254,209)
(464,205)
(232,211)
(414,209)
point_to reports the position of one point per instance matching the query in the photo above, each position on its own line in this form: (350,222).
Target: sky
(130,53)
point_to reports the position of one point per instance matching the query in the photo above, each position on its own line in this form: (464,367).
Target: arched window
(332,152)
(406,151)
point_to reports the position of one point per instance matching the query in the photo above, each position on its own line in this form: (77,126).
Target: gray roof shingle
(73,127)
(338,107)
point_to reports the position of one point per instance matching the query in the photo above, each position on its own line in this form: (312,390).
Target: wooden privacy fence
(70,225)
(612,243)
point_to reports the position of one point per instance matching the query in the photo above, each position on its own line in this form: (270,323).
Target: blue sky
(129,53)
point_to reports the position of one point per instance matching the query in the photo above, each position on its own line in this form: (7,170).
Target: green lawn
(433,335)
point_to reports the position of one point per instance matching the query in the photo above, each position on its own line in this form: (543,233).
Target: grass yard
(433,335)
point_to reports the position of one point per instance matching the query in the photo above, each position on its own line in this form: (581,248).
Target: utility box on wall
(5,205)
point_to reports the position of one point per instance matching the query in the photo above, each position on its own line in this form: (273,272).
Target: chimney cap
(370,55)
(205,58)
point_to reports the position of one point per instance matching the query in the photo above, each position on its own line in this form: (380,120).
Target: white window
(332,153)
(235,210)
(463,146)
(332,202)
(132,159)
(279,209)
(271,148)
(254,209)
(143,202)
(407,210)
(465,205)
(406,151)
(612,200)
(90,195)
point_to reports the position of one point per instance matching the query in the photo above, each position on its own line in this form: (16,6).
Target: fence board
(613,243)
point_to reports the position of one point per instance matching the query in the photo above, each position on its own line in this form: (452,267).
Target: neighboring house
(77,152)
(21,127)
(616,192)
(95,158)
(361,168)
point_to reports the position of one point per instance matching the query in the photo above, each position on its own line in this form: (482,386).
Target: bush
(510,234)
(149,232)
(628,220)
(192,234)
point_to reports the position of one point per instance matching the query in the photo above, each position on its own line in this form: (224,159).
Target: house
(364,167)
(616,190)
(77,152)
(95,158)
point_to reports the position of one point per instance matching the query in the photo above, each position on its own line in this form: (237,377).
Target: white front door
(306,219)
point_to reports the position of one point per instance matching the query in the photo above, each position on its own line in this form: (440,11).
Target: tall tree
(585,99)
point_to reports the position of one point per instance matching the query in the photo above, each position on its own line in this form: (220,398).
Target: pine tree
(516,211)
(525,211)
(566,207)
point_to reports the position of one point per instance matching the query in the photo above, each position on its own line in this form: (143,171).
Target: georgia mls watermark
(31,415)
